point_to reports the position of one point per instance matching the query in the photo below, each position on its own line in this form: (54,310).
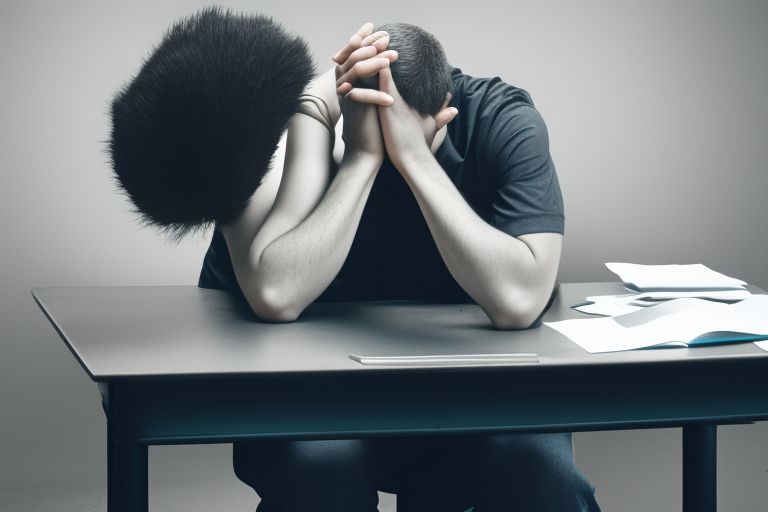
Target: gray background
(657,116)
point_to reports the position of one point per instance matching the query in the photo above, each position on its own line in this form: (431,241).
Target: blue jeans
(446,473)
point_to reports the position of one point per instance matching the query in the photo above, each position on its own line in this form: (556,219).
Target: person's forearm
(294,269)
(497,270)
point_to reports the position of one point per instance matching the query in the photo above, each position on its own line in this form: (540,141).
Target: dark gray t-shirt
(496,153)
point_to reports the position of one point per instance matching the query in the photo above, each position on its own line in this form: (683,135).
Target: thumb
(445,116)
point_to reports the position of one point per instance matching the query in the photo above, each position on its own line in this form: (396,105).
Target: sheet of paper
(675,320)
(719,295)
(672,277)
(762,344)
(607,305)
(612,305)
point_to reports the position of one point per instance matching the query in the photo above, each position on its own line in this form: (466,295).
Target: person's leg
(535,472)
(317,476)
(427,472)
(502,472)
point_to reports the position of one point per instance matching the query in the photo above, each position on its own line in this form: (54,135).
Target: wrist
(410,161)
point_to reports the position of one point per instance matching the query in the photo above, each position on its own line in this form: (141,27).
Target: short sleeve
(516,158)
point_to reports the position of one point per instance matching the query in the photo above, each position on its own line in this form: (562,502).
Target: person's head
(193,134)
(421,72)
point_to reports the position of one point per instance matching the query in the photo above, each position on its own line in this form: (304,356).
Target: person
(441,187)
(466,211)
(453,197)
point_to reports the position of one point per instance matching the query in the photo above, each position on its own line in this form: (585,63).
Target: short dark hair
(421,72)
(194,133)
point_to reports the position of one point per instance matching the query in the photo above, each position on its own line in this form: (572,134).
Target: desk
(179,365)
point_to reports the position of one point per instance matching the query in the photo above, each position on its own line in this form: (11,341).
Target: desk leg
(127,481)
(699,468)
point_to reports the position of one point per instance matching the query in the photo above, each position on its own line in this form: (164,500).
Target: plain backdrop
(657,115)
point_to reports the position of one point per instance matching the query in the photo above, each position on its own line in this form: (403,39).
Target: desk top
(178,331)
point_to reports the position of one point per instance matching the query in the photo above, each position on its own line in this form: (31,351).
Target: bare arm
(306,237)
(300,247)
(511,278)
(305,240)
(287,261)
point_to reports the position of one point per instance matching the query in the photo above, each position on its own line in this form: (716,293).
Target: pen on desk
(445,359)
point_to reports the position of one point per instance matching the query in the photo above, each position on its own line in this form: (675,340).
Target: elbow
(513,315)
(273,305)
(511,321)
(276,315)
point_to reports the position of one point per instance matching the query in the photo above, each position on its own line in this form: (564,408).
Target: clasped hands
(377,121)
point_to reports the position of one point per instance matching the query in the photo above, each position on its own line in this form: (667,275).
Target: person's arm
(510,277)
(300,247)
(305,240)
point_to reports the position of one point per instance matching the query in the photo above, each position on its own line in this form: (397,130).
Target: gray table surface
(167,331)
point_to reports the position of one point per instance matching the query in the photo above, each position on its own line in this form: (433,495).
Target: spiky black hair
(193,134)
(421,72)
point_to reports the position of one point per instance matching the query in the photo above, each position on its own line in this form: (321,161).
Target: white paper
(656,296)
(681,320)
(762,344)
(612,305)
(673,277)
(607,305)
